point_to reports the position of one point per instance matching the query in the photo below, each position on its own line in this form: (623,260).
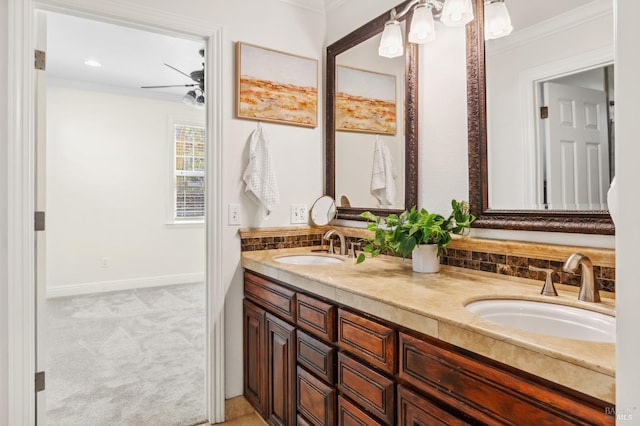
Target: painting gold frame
(276,86)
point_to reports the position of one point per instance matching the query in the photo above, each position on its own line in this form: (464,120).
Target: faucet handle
(352,249)
(548,289)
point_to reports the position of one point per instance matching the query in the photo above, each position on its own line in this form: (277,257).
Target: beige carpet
(127,358)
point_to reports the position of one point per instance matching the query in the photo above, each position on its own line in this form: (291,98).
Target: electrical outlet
(105,262)
(299,213)
(234,214)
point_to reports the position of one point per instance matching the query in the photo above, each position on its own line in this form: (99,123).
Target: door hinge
(39,381)
(544,112)
(39,221)
(40,60)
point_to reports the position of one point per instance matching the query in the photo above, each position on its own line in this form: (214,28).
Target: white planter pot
(425,258)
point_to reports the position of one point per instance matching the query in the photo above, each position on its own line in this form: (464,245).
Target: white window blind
(189,171)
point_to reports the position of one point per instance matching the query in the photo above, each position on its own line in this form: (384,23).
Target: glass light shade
(423,28)
(497,22)
(457,13)
(391,41)
(189,98)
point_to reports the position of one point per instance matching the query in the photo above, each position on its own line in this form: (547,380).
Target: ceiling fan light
(457,13)
(391,40)
(497,22)
(423,28)
(189,98)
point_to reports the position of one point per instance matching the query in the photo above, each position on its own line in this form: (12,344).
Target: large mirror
(541,117)
(371,126)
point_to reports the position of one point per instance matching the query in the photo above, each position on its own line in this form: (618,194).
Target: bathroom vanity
(378,344)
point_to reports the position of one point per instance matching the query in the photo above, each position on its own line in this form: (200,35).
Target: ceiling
(129,57)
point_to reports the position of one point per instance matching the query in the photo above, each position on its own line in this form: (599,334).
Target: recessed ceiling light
(92,63)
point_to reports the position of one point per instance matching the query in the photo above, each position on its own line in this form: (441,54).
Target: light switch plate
(234,214)
(299,213)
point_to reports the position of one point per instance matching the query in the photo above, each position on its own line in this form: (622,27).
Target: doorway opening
(122,337)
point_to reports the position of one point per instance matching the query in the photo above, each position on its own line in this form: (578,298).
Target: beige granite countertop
(433,304)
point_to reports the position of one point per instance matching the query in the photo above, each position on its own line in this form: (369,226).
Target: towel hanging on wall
(259,176)
(383,175)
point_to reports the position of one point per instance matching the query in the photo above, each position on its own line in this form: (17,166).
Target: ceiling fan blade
(173,85)
(176,69)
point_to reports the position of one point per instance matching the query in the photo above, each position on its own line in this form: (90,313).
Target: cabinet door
(416,410)
(281,372)
(255,375)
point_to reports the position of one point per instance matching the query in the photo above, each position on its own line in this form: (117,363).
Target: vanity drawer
(370,389)
(350,415)
(489,393)
(316,317)
(316,356)
(416,410)
(369,340)
(278,299)
(316,400)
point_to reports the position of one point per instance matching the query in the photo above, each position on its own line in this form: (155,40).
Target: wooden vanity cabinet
(308,361)
(254,359)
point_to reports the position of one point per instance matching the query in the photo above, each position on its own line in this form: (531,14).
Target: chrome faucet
(588,290)
(343,245)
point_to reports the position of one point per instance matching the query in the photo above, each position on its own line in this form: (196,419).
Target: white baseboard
(106,286)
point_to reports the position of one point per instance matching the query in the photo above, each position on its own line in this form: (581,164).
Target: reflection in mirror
(525,171)
(323,211)
(549,86)
(369,128)
(371,123)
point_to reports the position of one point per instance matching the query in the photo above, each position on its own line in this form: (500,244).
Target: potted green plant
(422,234)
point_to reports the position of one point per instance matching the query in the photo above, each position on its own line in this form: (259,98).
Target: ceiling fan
(194,97)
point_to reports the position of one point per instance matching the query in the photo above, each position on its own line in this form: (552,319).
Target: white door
(577,147)
(40,92)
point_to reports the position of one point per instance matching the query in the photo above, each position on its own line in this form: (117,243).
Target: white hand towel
(383,175)
(259,176)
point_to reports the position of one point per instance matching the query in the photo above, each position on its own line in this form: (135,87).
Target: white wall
(3,214)
(627,69)
(109,160)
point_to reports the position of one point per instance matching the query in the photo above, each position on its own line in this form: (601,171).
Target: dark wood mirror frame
(356,37)
(586,222)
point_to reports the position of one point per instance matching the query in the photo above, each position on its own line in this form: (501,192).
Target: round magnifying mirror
(323,211)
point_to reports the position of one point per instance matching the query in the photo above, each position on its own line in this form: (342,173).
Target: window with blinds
(189,171)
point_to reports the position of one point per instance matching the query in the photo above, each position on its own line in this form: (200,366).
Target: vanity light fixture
(452,13)
(497,22)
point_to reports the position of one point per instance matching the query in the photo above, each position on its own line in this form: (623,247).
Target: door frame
(21,190)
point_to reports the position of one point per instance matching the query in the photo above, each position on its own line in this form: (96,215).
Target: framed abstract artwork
(276,86)
(365,101)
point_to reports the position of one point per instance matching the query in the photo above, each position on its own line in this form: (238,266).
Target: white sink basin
(308,259)
(547,318)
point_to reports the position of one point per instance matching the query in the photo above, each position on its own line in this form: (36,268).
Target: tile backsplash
(501,257)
